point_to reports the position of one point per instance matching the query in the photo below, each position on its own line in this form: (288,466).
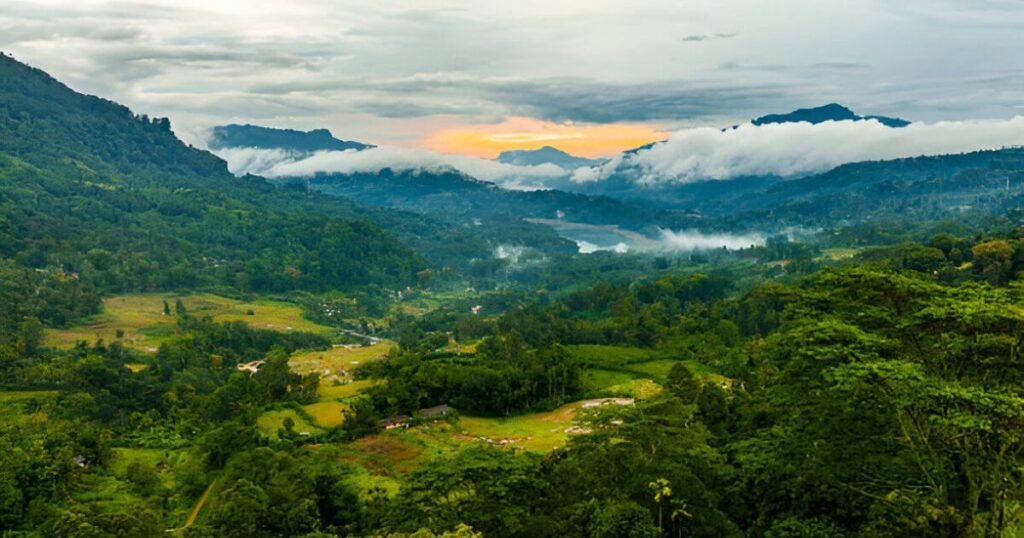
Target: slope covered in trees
(92,190)
(785,390)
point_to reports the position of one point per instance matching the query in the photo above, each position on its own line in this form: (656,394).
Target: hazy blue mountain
(451,196)
(829,112)
(545,155)
(255,136)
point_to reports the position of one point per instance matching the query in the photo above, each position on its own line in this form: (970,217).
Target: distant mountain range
(545,155)
(829,112)
(255,136)
(926,187)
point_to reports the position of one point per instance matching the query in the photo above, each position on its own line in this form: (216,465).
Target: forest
(188,353)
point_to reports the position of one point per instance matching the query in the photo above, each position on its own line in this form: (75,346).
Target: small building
(435,412)
(400,421)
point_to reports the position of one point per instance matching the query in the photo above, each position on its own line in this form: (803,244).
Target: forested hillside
(187,353)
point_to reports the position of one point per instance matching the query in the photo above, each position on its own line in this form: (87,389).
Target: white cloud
(586,247)
(275,163)
(372,70)
(689,240)
(794,149)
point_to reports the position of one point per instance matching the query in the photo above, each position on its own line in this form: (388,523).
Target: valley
(430,319)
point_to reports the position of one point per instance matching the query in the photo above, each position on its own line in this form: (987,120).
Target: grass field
(635,388)
(12,396)
(343,391)
(598,379)
(156,458)
(25,406)
(329,363)
(540,432)
(635,372)
(836,254)
(141,319)
(271,421)
(326,414)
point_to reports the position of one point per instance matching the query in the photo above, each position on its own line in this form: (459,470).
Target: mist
(690,240)
(796,149)
(274,163)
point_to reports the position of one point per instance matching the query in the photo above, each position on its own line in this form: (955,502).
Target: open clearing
(141,319)
(271,421)
(540,432)
(636,372)
(10,396)
(25,406)
(337,362)
(345,390)
(327,414)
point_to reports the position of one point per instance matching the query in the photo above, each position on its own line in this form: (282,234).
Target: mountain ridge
(545,155)
(821,114)
(257,136)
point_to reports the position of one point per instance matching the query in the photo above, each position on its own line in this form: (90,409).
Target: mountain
(89,188)
(75,154)
(954,187)
(480,207)
(460,198)
(829,112)
(545,155)
(255,136)
(43,122)
(710,195)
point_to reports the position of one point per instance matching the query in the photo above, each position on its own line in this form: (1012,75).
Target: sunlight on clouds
(584,140)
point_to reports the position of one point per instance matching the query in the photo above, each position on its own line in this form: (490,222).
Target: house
(435,412)
(400,421)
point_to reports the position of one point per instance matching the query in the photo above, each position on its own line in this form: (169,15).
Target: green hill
(92,190)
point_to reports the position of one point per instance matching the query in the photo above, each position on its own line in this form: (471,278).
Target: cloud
(690,240)
(795,149)
(708,37)
(279,163)
(372,69)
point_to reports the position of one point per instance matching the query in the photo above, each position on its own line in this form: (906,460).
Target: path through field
(199,505)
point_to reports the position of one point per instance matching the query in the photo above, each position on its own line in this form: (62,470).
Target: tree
(143,477)
(994,260)
(662,491)
(240,511)
(624,520)
(682,383)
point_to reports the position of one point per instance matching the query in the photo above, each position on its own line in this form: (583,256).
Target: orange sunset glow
(583,140)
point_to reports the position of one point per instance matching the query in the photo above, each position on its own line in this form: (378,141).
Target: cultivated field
(329,364)
(141,319)
(630,371)
(271,421)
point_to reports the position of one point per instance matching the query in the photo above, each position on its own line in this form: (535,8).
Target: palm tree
(662,490)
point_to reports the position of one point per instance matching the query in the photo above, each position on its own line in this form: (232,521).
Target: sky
(592,77)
